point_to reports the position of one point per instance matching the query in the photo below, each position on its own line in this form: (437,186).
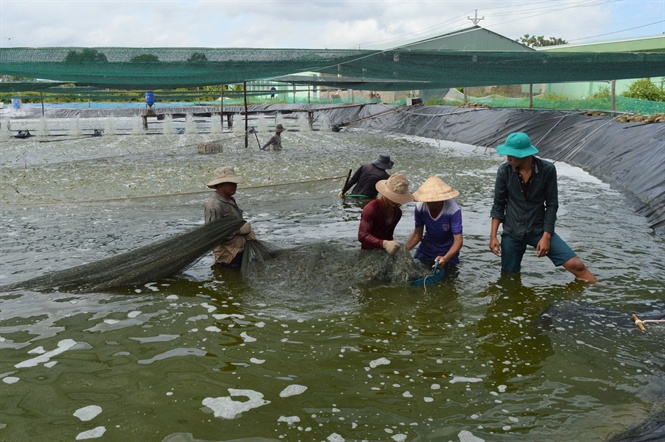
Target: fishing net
(149,263)
(325,268)
(317,265)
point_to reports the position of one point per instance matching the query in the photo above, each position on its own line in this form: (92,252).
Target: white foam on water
(63,346)
(293,390)
(10,380)
(335,438)
(457,379)
(247,338)
(95,433)
(175,353)
(467,436)
(289,419)
(88,413)
(381,361)
(158,338)
(257,361)
(227,408)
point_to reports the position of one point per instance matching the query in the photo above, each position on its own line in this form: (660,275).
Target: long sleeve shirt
(365,179)
(374,228)
(531,213)
(218,208)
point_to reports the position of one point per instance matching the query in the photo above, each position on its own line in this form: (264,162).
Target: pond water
(299,351)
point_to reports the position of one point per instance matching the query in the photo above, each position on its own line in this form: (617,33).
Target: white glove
(391,246)
(251,236)
(245,229)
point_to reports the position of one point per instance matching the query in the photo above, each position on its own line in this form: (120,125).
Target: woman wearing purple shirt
(438,223)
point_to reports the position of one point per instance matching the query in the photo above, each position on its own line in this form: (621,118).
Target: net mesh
(391,70)
(319,265)
(145,264)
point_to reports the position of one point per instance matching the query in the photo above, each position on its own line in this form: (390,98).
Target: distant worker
(275,142)
(380,217)
(438,221)
(526,200)
(222,205)
(366,177)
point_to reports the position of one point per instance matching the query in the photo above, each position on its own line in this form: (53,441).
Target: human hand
(495,246)
(543,247)
(245,229)
(440,261)
(251,236)
(391,246)
(341,194)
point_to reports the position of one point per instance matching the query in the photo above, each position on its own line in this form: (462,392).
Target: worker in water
(438,224)
(366,177)
(275,142)
(380,217)
(222,205)
(526,199)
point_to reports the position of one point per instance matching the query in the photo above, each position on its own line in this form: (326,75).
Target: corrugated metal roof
(474,38)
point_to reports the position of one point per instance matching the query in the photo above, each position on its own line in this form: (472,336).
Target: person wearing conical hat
(366,177)
(222,205)
(380,216)
(526,200)
(438,221)
(275,142)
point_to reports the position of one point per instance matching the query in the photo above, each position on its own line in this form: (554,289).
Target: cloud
(307,24)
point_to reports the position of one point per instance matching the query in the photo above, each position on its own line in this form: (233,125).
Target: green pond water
(300,351)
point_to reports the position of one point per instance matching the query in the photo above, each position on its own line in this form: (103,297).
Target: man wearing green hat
(526,201)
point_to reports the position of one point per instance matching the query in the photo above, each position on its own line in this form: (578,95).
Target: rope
(163,195)
(640,322)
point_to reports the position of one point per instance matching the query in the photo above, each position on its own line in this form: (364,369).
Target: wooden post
(613,84)
(466,98)
(530,95)
(221,106)
(41,96)
(244,84)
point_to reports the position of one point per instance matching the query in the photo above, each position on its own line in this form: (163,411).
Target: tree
(145,58)
(645,89)
(532,41)
(198,57)
(86,56)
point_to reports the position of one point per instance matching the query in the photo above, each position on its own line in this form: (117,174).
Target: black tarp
(629,156)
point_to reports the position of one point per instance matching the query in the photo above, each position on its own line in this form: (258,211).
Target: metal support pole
(246,122)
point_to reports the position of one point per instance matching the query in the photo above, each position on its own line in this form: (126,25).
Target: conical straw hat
(434,189)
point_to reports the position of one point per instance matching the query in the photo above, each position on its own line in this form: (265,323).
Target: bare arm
(458,241)
(415,238)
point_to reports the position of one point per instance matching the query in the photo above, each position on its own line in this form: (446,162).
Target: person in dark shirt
(366,177)
(380,217)
(526,201)
(275,142)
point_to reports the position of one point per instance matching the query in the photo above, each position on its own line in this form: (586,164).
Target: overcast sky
(338,24)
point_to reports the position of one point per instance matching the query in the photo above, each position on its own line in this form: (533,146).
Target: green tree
(645,89)
(532,41)
(145,58)
(86,56)
(197,57)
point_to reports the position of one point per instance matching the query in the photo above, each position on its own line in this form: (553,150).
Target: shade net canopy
(168,68)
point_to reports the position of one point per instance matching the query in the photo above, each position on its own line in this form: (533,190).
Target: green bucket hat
(517,145)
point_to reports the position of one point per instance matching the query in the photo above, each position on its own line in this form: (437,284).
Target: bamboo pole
(246,122)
